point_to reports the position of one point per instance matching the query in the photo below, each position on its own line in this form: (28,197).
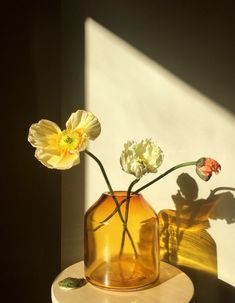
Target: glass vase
(121,255)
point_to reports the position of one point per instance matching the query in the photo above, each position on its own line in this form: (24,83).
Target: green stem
(146,185)
(102,170)
(113,196)
(164,174)
(128,198)
(109,216)
(143,187)
(107,182)
(126,217)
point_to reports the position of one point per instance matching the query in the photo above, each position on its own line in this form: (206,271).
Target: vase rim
(121,193)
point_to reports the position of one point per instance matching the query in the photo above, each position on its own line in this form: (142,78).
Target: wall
(30,193)
(166,72)
(149,65)
(72,98)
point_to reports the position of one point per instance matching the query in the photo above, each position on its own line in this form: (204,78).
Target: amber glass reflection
(136,264)
(184,240)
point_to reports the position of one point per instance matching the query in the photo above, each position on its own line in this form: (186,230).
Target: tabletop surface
(173,286)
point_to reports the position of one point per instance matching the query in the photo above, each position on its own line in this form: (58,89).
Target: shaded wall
(192,39)
(30,195)
(72,98)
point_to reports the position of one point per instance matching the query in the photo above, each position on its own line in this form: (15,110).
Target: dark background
(42,54)
(30,194)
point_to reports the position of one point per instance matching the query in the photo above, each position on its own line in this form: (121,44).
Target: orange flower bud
(206,166)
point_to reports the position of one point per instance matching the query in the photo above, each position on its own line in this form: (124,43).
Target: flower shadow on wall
(184,239)
(183,232)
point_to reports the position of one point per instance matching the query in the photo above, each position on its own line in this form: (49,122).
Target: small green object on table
(72,283)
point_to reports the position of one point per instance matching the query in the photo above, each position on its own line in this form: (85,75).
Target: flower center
(69,141)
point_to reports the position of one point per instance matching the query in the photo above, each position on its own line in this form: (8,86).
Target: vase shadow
(184,239)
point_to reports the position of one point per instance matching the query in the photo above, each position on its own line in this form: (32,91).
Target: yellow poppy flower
(59,149)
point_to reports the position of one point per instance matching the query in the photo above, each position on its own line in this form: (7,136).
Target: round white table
(173,286)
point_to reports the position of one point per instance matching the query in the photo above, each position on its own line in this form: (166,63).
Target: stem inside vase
(138,263)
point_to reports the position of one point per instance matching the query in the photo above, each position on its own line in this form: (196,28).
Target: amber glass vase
(121,255)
